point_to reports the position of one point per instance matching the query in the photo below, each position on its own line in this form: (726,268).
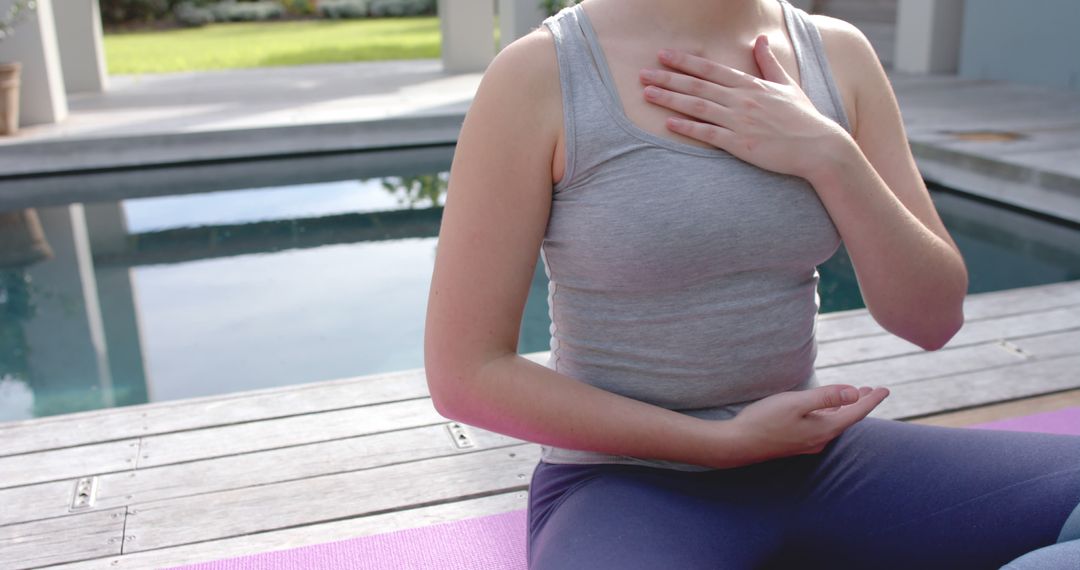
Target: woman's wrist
(728,445)
(830,158)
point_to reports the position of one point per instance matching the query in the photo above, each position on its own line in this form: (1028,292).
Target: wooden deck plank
(1032,378)
(56,464)
(177,415)
(293,463)
(887,345)
(237,471)
(58,540)
(35,502)
(308,535)
(109,424)
(1016,408)
(282,432)
(858,322)
(921,365)
(173,522)
(1063,343)
(950,361)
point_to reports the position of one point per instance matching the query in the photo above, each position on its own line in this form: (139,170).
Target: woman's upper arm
(495,216)
(878,127)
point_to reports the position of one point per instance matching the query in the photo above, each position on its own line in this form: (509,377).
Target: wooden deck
(187,481)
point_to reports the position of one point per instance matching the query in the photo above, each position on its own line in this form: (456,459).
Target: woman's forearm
(912,280)
(520,398)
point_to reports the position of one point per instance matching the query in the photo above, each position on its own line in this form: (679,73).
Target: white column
(517,18)
(928,34)
(66,334)
(41,93)
(468,34)
(82,52)
(106,226)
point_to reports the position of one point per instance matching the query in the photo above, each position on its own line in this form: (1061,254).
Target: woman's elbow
(928,329)
(450,381)
(444,383)
(938,335)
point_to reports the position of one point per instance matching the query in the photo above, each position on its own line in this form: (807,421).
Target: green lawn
(264,44)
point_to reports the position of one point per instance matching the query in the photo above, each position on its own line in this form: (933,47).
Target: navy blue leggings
(884,494)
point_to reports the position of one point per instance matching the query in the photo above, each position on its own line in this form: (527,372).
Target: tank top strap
(815,74)
(583,91)
(595,129)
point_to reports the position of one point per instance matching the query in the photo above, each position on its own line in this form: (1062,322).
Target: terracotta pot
(9,98)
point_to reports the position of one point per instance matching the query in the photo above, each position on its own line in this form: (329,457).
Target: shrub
(552,7)
(125,11)
(401,7)
(299,7)
(189,14)
(232,11)
(343,8)
(16,13)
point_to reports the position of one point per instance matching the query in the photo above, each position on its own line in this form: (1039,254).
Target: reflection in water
(422,190)
(16,307)
(172,297)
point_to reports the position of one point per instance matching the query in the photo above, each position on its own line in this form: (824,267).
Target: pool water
(183,282)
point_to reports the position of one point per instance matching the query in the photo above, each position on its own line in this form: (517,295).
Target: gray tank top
(680,276)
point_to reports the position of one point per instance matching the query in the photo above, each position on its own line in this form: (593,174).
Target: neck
(695,20)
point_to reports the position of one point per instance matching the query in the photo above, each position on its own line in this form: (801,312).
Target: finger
(716,135)
(770,67)
(705,68)
(831,396)
(688,84)
(859,410)
(863,391)
(689,105)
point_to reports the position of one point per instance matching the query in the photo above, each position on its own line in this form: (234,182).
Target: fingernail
(666,54)
(765,40)
(849,394)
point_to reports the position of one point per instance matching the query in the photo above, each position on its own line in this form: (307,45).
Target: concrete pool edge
(38,158)
(1050,193)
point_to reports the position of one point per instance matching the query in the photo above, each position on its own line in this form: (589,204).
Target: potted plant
(9,71)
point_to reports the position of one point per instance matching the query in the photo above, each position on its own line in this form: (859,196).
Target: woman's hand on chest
(768,122)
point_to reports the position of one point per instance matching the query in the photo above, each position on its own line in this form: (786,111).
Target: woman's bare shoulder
(854,63)
(525,76)
(528,69)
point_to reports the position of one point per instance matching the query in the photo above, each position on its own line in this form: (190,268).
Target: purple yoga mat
(1065,421)
(495,542)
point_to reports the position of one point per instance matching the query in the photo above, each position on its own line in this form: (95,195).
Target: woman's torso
(679,275)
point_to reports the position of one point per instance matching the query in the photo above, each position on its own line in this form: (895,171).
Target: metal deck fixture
(85,493)
(460,435)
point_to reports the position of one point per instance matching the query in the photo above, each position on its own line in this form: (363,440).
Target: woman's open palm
(803,421)
(768,122)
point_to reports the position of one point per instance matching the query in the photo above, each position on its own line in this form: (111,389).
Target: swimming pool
(180,282)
